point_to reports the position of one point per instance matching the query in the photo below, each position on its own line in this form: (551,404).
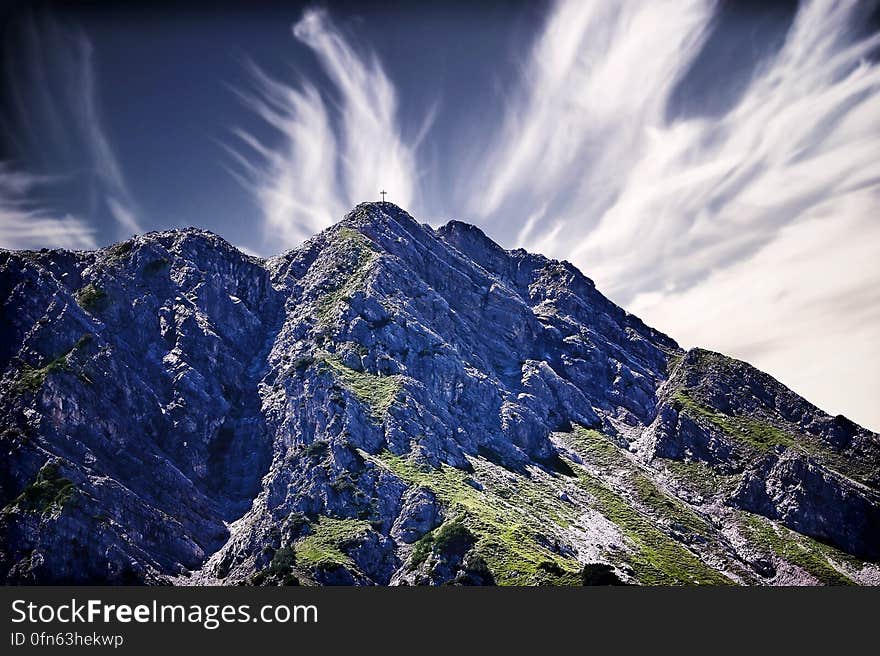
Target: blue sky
(714,166)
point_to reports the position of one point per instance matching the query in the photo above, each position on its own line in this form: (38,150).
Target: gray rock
(173,411)
(419,515)
(813,500)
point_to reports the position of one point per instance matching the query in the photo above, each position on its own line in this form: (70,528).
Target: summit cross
(383,195)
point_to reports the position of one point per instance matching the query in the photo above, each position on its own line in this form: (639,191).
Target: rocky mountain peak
(390,403)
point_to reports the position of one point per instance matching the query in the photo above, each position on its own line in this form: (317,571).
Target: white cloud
(598,77)
(22,225)
(56,99)
(753,232)
(750,232)
(805,307)
(331,156)
(704,192)
(103,158)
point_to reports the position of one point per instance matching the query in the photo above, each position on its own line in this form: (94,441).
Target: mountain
(393,404)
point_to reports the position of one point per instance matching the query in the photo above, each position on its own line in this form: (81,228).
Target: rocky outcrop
(132,371)
(393,404)
(420,513)
(813,500)
(814,473)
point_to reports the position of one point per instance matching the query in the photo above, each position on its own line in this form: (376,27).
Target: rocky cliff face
(390,404)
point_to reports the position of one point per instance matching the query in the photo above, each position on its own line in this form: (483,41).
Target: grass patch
(800,550)
(595,447)
(283,559)
(639,510)
(450,534)
(120,250)
(377,392)
(447,536)
(610,460)
(343,484)
(280,569)
(324,546)
(658,558)
(761,436)
(509,521)
(515,518)
(666,506)
(755,433)
(316,449)
(48,493)
(31,379)
(361,255)
(421,550)
(91,298)
(699,476)
(673,362)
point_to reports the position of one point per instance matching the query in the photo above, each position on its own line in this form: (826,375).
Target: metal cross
(383,195)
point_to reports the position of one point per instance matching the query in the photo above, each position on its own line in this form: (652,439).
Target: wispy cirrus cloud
(749,231)
(599,75)
(658,204)
(805,307)
(91,127)
(327,154)
(746,230)
(24,225)
(55,110)
(704,193)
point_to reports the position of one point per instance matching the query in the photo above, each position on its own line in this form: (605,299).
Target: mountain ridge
(389,403)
